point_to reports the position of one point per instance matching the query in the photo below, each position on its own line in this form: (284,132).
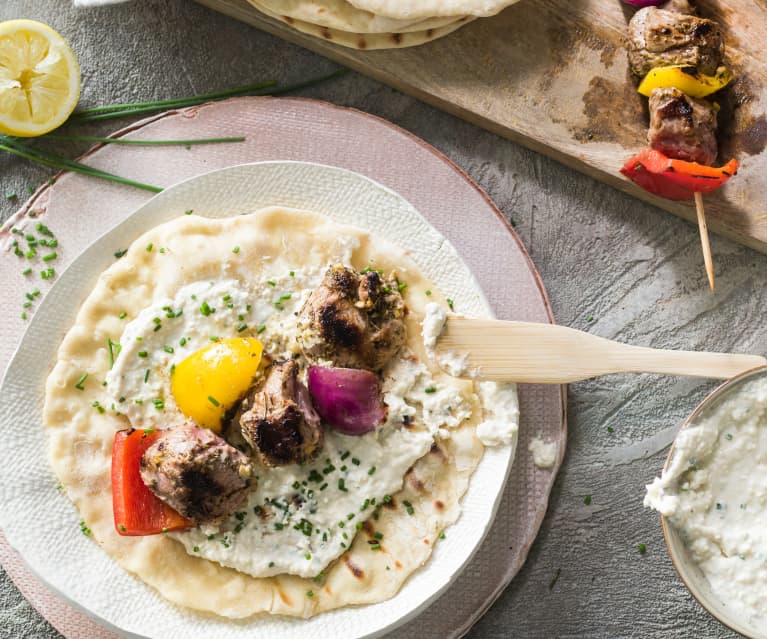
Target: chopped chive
(48,274)
(236,249)
(375,546)
(401,287)
(241,328)
(642,548)
(286,296)
(81,381)
(309,593)
(387,499)
(142,354)
(84,529)
(23,315)
(408,507)
(27,304)
(213,401)
(188,211)
(49,257)
(271,282)
(114,351)
(587,500)
(11,196)
(146,375)
(450,304)
(120,253)
(427,292)
(168,349)
(292,273)
(43,230)
(261,328)
(430,389)
(149,247)
(378,535)
(122,315)
(159,404)
(342,485)
(206,309)
(98,407)
(182,341)
(372,470)
(442,535)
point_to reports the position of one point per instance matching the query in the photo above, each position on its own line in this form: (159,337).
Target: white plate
(42,525)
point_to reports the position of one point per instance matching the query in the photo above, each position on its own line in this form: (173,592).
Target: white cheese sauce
(714,493)
(544,453)
(298,518)
(500,404)
(500,412)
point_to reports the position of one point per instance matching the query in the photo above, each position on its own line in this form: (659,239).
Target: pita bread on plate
(80,438)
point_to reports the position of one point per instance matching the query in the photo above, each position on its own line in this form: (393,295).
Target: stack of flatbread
(378,24)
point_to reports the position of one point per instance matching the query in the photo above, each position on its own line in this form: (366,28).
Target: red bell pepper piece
(137,510)
(675,179)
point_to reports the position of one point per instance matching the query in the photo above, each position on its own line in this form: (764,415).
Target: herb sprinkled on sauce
(81,381)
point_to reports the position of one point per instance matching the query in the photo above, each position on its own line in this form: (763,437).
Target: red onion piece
(644,3)
(348,399)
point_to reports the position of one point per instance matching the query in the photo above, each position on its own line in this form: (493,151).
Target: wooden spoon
(551,354)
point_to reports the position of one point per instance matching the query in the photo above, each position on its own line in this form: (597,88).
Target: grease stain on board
(741,130)
(614,113)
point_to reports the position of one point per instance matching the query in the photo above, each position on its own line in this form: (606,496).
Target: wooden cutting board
(552,75)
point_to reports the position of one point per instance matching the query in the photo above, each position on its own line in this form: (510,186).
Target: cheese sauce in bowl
(712,497)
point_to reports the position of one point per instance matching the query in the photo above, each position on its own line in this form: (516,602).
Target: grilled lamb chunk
(278,419)
(658,38)
(197,473)
(682,127)
(354,320)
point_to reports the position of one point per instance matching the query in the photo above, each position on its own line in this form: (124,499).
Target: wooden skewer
(703,228)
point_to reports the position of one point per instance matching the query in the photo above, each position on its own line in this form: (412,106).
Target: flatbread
(366,41)
(80,438)
(415,9)
(341,15)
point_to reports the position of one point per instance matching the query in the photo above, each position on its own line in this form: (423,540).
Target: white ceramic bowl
(687,568)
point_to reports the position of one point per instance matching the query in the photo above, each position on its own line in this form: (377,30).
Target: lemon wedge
(39,78)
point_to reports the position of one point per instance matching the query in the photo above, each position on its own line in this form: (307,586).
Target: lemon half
(39,78)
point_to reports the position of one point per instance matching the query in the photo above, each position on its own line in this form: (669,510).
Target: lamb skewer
(669,45)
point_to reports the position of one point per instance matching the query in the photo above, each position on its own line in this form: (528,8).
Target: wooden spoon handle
(551,354)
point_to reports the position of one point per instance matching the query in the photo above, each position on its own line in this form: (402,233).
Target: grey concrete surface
(612,265)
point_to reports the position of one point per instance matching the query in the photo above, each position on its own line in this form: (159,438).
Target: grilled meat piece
(278,419)
(197,473)
(662,38)
(682,127)
(355,320)
(680,6)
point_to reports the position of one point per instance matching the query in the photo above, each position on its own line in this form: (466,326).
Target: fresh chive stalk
(89,138)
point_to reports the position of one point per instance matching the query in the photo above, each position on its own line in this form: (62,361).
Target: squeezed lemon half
(39,78)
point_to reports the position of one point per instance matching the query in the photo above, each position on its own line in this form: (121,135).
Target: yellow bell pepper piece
(686,79)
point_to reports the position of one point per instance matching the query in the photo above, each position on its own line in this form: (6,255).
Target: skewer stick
(703,228)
